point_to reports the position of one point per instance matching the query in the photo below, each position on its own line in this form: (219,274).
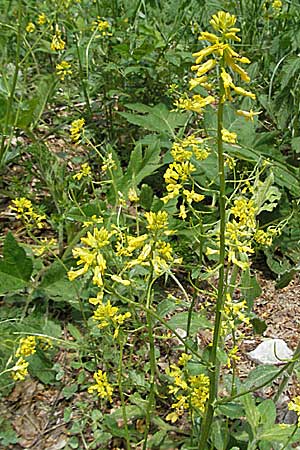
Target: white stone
(271,351)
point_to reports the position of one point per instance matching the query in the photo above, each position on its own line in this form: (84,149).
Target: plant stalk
(214,363)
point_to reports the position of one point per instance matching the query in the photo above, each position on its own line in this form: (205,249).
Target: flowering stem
(152,360)
(214,362)
(127,438)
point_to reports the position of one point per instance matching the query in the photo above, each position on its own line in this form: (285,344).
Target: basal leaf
(15,267)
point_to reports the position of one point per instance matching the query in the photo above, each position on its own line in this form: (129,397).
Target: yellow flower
(101,25)
(42,19)
(229,137)
(195,103)
(241,91)
(277,5)
(84,172)
(20,370)
(200,391)
(26,346)
(25,211)
(157,221)
(294,405)
(30,28)
(76,129)
(133,196)
(224,22)
(57,42)
(63,69)
(108,163)
(184,358)
(120,280)
(244,210)
(192,196)
(249,115)
(182,212)
(102,387)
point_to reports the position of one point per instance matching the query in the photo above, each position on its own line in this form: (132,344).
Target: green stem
(127,438)
(152,361)
(214,362)
(82,78)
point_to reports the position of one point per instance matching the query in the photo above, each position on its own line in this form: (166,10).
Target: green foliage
(133,303)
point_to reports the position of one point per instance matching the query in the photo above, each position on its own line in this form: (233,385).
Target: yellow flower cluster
(90,255)
(102,25)
(84,172)
(265,238)
(42,19)
(63,69)
(294,405)
(179,172)
(76,129)
(220,50)
(25,211)
(106,315)
(102,386)
(57,42)
(228,136)
(150,249)
(196,103)
(232,356)
(234,312)
(20,370)
(188,390)
(27,347)
(30,28)
(108,163)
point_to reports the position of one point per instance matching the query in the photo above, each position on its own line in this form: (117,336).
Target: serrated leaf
(142,163)
(290,69)
(158,119)
(15,267)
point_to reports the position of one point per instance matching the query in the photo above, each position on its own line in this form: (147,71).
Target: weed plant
(136,242)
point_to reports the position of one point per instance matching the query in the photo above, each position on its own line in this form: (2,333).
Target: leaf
(179,320)
(146,197)
(142,163)
(232,410)
(56,285)
(259,325)
(15,267)
(266,196)
(277,433)
(290,69)
(74,332)
(219,435)
(249,287)
(267,411)
(157,439)
(251,411)
(165,306)
(260,375)
(157,118)
(41,368)
(296,144)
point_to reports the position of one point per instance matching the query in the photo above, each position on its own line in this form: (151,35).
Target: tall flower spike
(221,50)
